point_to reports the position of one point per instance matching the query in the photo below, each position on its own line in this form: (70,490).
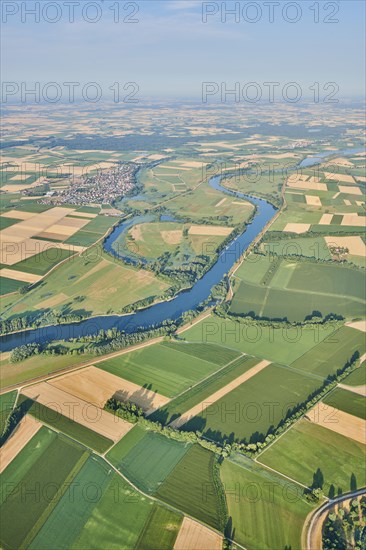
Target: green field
(191,487)
(38,365)
(68,518)
(307,447)
(117,519)
(297,290)
(357,377)
(124,446)
(21,517)
(266,511)
(61,423)
(332,353)
(10,285)
(281,345)
(150,461)
(7,401)
(203,390)
(160,530)
(347,401)
(161,368)
(88,284)
(253,409)
(41,263)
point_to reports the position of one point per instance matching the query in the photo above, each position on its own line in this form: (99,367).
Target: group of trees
(346,528)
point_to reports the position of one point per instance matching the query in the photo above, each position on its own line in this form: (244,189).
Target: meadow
(281,345)
(90,284)
(331,355)
(255,407)
(265,510)
(150,461)
(192,487)
(347,401)
(307,448)
(203,390)
(20,517)
(297,290)
(160,530)
(160,368)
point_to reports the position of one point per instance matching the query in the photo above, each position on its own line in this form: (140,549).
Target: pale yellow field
(96,386)
(78,410)
(313,200)
(18,215)
(338,421)
(195,536)
(339,177)
(24,432)
(215,230)
(349,190)
(297,183)
(172,237)
(358,325)
(297,227)
(354,220)
(355,244)
(19,275)
(360,390)
(326,219)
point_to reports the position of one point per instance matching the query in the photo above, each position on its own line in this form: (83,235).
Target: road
(313,531)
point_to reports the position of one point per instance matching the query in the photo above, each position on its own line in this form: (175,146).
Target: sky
(170,48)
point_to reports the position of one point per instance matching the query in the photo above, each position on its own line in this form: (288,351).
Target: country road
(313,533)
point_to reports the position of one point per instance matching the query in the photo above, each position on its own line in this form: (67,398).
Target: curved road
(311,543)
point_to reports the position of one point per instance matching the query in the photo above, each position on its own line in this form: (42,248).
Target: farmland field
(307,447)
(347,401)
(191,487)
(90,284)
(160,368)
(69,516)
(357,377)
(119,515)
(281,345)
(41,263)
(203,390)
(332,353)
(160,530)
(21,518)
(255,407)
(267,511)
(151,460)
(296,290)
(61,423)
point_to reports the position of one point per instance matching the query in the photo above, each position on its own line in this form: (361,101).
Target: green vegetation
(9,285)
(346,528)
(41,263)
(124,446)
(151,460)
(21,518)
(88,284)
(265,510)
(279,343)
(74,508)
(160,368)
(119,516)
(347,401)
(61,423)
(193,487)
(203,390)
(160,530)
(332,353)
(357,377)
(297,290)
(7,401)
(254,409)
(318,457)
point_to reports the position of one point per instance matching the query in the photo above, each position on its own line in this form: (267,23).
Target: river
(184,301)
